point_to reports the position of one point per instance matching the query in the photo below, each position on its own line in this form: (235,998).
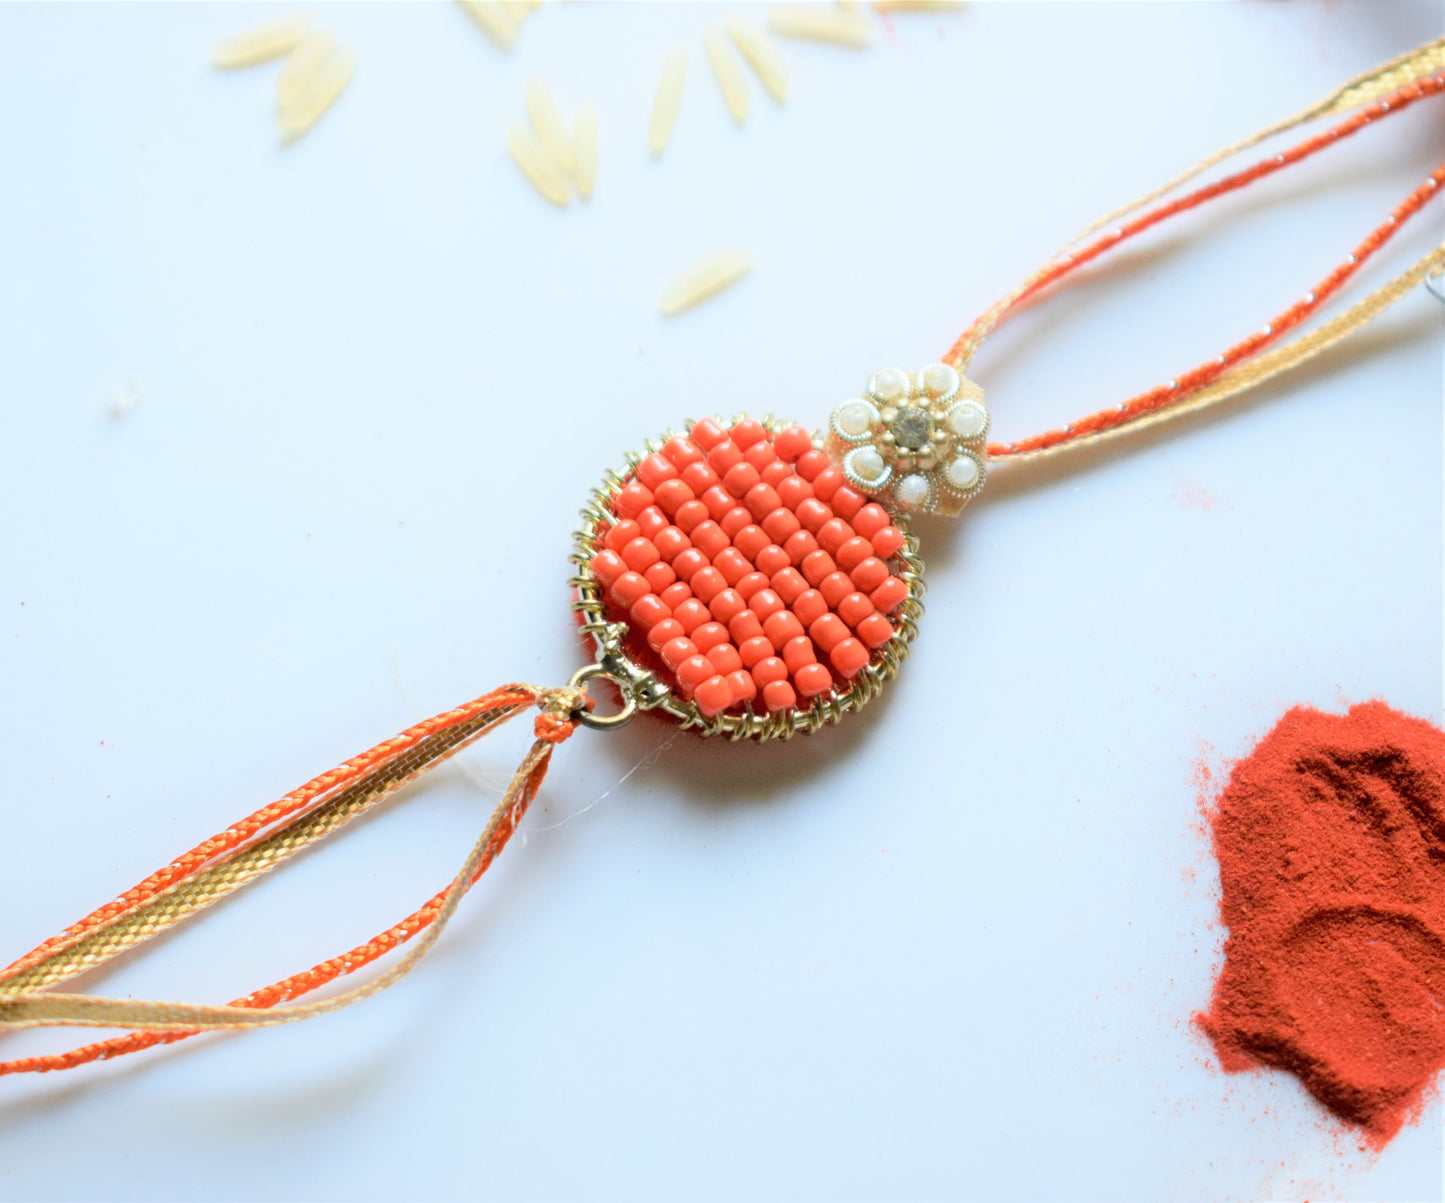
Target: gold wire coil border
(650,693)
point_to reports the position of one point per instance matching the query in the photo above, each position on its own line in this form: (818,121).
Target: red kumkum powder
(1331,844)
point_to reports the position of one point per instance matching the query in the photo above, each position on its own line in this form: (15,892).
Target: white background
(948,950)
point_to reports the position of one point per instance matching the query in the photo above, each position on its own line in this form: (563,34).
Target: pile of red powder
(1331,844)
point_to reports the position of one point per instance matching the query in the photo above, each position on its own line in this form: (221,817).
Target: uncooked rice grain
(704,280)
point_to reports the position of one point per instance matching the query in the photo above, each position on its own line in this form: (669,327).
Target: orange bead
(848,657)
(724,657)
(693,671)
(871,519)
(709,538)
(835,587)
(649,610)
(754,582)
(832,535)
(754,649)
(828,631)
(794,491)
(735,520)
(718,501)
(741,477)
(674,595)
(675,651)
(640,554)
(689,563)
(689,515)
(871,573)
(889,594)
(779,695)
(744,626)
(744,688)
(692,614)
(726,605)
(847,501)
(724,456)
(709,635)
(620,534)
(760,455)
(854,608)
(706,584)
(812,513)
(875,630)
(810,607)
(810,464)
(888,541)
(732,564)
(800,545)
(792,443)
(777,472)
(607,566)
(827,482)
(817,566)
(664,633)
(751,540)
(659,577)
(782,626)
(798,653)
(780,524)
(707,434)
(789,585)
(681,452)
(853,552)
(765,603)
(670,542)
(651,520)
(699,477)
(772,559)
(714,695)
(672,495)
(628,587)
(654,470)
(762,500)
(747,432)
(812,679)
(633,499)
(769,669)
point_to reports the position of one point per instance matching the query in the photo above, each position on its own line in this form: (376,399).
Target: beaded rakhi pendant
(757,580)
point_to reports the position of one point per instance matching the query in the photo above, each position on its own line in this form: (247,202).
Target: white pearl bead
(967,420)
(867,463)
(912,490)
(939,379)
(891,384)
(963,472)
(854,418)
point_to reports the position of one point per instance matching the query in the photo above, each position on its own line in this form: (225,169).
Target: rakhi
(746,578)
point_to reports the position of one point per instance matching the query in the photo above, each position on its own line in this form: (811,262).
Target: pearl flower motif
(915,441)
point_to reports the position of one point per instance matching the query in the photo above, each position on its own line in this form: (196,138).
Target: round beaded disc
(735,579)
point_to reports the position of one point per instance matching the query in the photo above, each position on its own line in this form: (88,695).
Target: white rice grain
(262,44)
(669,96)
(538,166)
(551,129)
(584,134)
(494,20)
(301,64)
(839,26)
(317,95)
(729,72)
(762,56)
(704,280)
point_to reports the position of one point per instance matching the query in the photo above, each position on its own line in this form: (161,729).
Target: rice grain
(551,129)
(704,280)
(262,44)
(301,64)
(762,56)
(730,77)
(538,166)
(838,26)
(669,96)
(584,134)
(494,20)
(317,95)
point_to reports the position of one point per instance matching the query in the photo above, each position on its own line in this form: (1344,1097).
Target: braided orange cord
(1189,382)
(549,728)
(197,858)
